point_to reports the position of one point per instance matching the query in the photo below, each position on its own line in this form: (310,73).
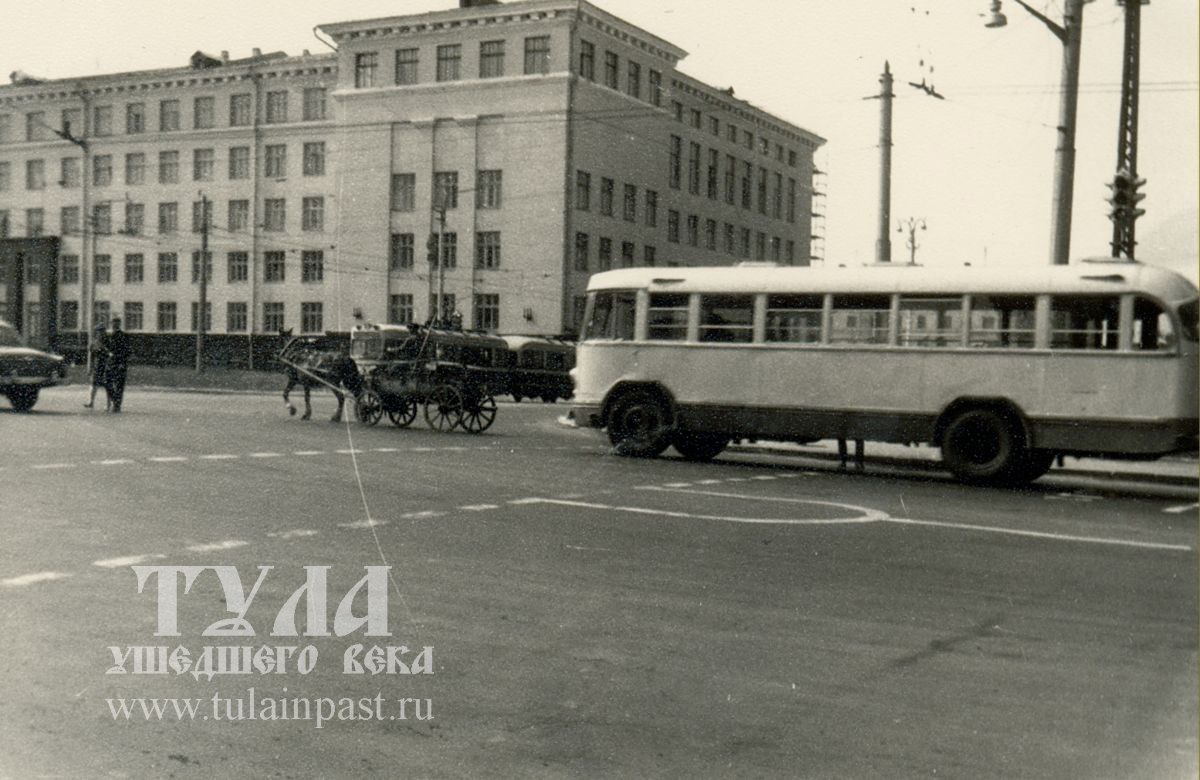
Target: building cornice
(724,100)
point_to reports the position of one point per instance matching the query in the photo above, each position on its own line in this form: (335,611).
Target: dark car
(24,370)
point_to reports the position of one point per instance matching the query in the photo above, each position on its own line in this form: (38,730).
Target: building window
(135,268)
(102,170)
(488,189)
(366,66)
(314,103)
(273,319)
(72,122)
(487,312)
(239,216)
(203,113)
(312,214)
(627,251)
(102,218)
(167,320)
(674,173)
(202,215)
(583,190)
(696,118)
(401,253)
(277,107)
(35,222)
(35,126)
(633,80)
(612,67)
(404,191)
(203,162)
(406,66)
(314,158)
(714,159)
(239,110)
(135,218)
(312,266)
(312,318)
(791,200)
(655,84)
(274,266)
(275,165)
(449,62)
(760,246)
(100,313)
(449,250)
(69,220)
(762,191)
(239,162)
(445,189)
(4,226)
(102,120)
(208,275)
(537,54)
(196,316)
(693,230)
(487,250)
(710,234)
(790,253)
(168,115)
(71,175)
(606,196)
(694,168)
(777,210)
(103,268)
(648,256)
(747,184)
(581,252)
(448,307)
(629,212)
(776,247)
(168,217)
(605,254)
(135,118)
(730,178)
(274,214)
(168,167)
(6,175)
(673,226)
(587,60)
(400,309)
(237,319)
(68,315)
(168,268)
(135,168)
(748,140)
(491,59)
(237,266)
(651,208)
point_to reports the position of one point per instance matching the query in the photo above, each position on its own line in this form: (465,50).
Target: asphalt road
(588,614)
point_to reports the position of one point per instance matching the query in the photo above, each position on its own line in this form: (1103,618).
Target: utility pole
(1125,195)
(913,224)
(201,325)
(87,272)
(1070,34)
(437,258)
(883,241)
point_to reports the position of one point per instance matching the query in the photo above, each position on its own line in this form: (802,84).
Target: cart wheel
(443,408)
(404,416)
(478,416)
(369,407)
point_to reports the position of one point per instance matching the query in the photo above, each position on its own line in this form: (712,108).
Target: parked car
(25,370)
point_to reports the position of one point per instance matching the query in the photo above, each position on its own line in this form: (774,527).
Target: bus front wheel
(639,426)
(982,446)
(699,446)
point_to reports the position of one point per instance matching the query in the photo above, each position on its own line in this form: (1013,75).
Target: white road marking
(350,452)
(868,514)
(423,449)
(129,560)
(368,523)
(265,455)
(55,466)
(524,501)
(386,449)
(219,457)
(228,544)
(1041,534)
(722,518)
(479,507)
(167,459)
(763,478)
(587,549)
(422,514)
(30,579)
(1178,510)
(709,481)
(678,484)
(113,462)
(1073,497)
(295,533)
(308,452)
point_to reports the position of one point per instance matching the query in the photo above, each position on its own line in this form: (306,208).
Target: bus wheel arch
(640,418)
(985,441)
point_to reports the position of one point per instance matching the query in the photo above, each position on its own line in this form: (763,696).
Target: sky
(975,167)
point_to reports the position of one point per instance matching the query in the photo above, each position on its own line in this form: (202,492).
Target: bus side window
(860,319)
(794,318)
(930,321)
(554,361)
(667,317)
(611,315)
(1084,321)
(1003,321)
(1152,329)
(727,318)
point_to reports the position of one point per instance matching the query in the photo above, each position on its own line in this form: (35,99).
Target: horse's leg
(307,401)
(291,383)
(341,399)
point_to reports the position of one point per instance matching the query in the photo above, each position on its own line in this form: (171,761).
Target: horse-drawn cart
(453,376)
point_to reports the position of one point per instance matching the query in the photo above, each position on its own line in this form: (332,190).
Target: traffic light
(1125,196)
(431,250)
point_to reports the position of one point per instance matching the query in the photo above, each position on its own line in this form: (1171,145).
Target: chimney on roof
(225,56)
(21,78)
(256,52)
(475,3)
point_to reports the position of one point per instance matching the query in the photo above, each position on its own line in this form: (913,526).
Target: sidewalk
(1174,469)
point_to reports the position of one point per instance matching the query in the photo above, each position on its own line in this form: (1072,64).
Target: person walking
(100,368)
(118,363)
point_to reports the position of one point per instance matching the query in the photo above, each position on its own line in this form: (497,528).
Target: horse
(315,362)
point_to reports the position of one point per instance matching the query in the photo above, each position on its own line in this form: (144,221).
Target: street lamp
(1070,34)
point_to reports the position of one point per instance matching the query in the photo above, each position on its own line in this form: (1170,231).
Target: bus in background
(1002,368)
(540,367)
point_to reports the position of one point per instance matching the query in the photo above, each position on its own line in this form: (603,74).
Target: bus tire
(700,446)
(639,425)
(1034,464)
(983,446)
(23,398)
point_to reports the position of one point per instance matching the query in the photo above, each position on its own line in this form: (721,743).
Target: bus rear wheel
(699,446)
(982,446)
(639,426)
(23,398)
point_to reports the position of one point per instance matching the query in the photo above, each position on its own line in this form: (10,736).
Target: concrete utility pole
(437,263)
(1070,34)
(913,224)
(87,272)
(1125,195)
(201,325)
(883,241)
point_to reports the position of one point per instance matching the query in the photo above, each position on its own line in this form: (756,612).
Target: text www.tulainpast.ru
(251,705)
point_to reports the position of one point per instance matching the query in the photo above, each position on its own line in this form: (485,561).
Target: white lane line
(54,466)
(730,479)
(523,501)
(423,449)
(1041,534)
(386,449)
(868,514)
(640,510)
(228,544)
(113,462)
(678,484)
(1178,510)
(710,481)
(479,507)
(30,579)
(357,524)
(167,459)
(128,560)
(219,456)
(308,452)
(350,452)
(1073,497)
(420,515)
(588,549)
(295,533)
(265,455)
(764,478)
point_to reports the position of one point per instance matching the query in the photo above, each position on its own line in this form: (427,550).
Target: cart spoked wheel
(443,408)
(479,414)
(403,416)
(369,407)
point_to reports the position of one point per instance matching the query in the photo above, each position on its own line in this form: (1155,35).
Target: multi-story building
(491,156)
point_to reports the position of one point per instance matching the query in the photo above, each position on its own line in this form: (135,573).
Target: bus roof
(516,342)
(1094,275)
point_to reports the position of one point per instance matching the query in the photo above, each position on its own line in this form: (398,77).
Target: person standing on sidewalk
(118,363)
(100,368)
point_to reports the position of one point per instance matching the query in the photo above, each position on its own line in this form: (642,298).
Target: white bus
(1003,368)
